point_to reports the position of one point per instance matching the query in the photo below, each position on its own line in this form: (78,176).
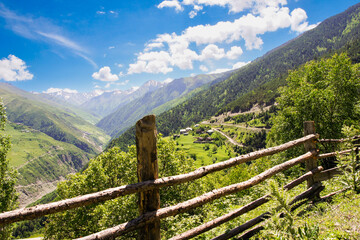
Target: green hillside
(48,142)
(62,125)
(41,161)
(338,33)
(161,99)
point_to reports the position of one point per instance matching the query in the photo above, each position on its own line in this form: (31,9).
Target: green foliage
(350,164)
(111,169)
(283,222)
(8,194)
(324,91)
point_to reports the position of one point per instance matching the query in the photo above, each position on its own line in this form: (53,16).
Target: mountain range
(56,132)
(257,82)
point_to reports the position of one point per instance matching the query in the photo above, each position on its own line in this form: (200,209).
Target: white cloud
(203,68)
(297,21)
(234,52)
(119,65)
(13,68)
(151,62)
(212,51)
(200,42)
(150,46)
(192,14)
(105,75)
(100,12)
(168,80)
(42,29)
(234,6)
(58,90)
(240,64)
(220,70)
(171,3)
(111,47)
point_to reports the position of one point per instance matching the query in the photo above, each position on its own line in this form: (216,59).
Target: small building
(197,125)
(188,129)
(210,131)
(182,131)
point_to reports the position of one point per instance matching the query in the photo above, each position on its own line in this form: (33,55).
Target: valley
(66,143)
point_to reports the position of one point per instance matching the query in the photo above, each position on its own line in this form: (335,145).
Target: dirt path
(228,137)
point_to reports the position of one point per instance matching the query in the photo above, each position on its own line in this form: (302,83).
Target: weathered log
(238,212)
(340,140)
(313,190)
(112,193)
(309,128)
(196,202)
(148,169)
(220,220)
(333,154)
(330,195)
(304,177)
(328,174)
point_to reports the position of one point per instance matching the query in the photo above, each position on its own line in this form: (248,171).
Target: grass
(203,157)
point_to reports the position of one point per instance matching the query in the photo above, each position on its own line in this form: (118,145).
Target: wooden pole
(147,169)
(311,163)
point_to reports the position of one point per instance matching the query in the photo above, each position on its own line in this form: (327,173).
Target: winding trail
(228,137)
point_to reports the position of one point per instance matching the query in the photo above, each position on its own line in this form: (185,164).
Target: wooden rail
(148,187)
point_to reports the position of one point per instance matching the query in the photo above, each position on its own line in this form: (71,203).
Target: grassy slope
(41,161)
(59,124)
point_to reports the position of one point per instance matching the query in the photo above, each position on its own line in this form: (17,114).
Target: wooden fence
(148,223)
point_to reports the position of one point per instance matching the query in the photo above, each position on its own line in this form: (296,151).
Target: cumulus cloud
(13,68)
(212,51)
(240,64)
(201,42)
(172,4)
(220,70)
(168,80)
(234,52)
(105,75)
(59,90)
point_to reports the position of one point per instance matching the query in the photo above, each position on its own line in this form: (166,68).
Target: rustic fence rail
(148,187)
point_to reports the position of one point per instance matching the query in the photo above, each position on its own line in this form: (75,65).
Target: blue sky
(98,44)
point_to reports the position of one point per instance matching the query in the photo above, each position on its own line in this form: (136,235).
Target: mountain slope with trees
(48,143)
(125,115)
(338,32)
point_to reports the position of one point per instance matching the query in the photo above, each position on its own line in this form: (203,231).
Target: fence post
(309,128)
(147,169)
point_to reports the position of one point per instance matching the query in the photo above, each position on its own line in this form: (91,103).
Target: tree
(111,169)
(324,91)
(8,194)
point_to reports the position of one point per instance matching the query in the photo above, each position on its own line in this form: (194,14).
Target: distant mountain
(154,101)
(70,96)
(48,141)
(107,102)
(336,34)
